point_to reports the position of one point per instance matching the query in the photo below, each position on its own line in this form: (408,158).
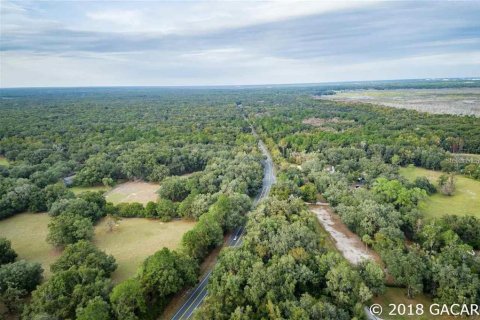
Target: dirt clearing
(133,191)
(464,101)
(347,242)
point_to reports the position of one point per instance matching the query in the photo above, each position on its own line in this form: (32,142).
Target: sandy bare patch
(318,122)
(347,242)
(133,191)
(465,101)
(331,124)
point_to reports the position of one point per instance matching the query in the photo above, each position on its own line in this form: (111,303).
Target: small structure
(330,169)
(360,182)
(68,181)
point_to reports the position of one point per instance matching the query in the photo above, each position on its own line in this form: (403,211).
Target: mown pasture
(465,200)
(130,242)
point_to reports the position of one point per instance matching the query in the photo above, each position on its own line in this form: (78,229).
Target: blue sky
(109,43)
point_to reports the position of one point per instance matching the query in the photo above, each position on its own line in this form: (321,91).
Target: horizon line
(476,78)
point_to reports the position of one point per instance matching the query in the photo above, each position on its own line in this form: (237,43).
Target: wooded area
(198,146)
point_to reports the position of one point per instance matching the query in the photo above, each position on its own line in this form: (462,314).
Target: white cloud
(50,43)
(204,16)
(118,17)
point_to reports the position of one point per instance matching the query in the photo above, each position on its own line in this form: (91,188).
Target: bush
(373,276)
(130,210)
(166,209)
(128,300)
(96,309)
(166,272)
(206,235)
(425,184)
(92,206)
(67,291)
(69,228)
(446,184)
(7,254)
(151,210)
(21,275)
(174,188)
(84,254)
(308,192)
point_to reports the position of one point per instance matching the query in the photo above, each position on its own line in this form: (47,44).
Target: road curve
(198,294)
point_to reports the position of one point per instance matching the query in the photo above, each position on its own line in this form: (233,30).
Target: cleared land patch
(133,191)
(465,201)
(28,233)
(4,161)
(130,243)
(347,242)
(135,239)
(452,100)
(332,124)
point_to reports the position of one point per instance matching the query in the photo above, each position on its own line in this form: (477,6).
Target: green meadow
(465,201)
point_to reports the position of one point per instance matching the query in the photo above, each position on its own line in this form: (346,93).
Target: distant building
(68,181)
(330,169)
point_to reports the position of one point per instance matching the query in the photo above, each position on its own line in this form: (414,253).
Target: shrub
(69,228)
(130,210)
(7,254)
(84,254)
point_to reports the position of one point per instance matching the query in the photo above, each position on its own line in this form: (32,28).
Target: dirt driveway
(347,242)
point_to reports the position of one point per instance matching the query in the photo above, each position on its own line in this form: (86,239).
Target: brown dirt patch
(133,191)
(347,242)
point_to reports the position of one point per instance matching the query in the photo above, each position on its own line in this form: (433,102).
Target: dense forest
(201,150)
(366,145)
(199,146)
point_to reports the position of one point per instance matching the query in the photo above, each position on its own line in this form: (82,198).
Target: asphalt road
(198,294)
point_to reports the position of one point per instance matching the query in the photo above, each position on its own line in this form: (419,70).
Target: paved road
(198,294)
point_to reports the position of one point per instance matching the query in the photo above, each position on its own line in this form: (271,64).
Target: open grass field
(453,100)
(398,296)
(133,191)
(465,201)
(27,232)
(4,162)
(135,239)
(78,190)
(130,243)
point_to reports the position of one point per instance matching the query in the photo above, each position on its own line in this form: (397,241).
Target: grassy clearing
(130,243)
(4,161)
(137,238)
(78,190)
(398,296)
(27,232)
(465,201)
(133,191)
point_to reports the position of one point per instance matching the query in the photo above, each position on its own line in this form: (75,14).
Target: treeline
(283,271)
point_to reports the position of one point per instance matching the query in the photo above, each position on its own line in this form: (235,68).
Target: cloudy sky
(109,43)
